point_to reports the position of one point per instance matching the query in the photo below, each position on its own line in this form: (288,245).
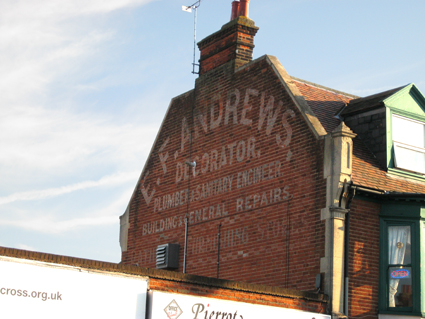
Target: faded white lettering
(232,108)
(264,198)
(258,174)
(216,122)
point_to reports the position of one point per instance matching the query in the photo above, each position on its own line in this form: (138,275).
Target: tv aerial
(194,6)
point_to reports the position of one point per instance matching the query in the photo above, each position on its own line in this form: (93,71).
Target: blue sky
(85,84)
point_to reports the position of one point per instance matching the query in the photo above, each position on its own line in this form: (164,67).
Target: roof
(368,103)
(324,102)
(367,172)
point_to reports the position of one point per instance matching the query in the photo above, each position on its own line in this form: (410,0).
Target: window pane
(408,132)
(400,287)
(399,245)
(413,160)
(400,277)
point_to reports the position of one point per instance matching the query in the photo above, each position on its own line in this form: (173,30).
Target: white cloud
(60,10)
(44,40)
(50,223)
(39,44)
(49,148)
(53,192)
(47,140)
(52,10)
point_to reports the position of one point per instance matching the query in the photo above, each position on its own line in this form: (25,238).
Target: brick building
(41,285)
(265,178)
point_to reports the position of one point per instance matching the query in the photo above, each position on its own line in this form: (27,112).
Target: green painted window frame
(390,143)
(403,215)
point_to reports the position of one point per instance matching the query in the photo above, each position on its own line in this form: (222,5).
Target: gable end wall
(258,184)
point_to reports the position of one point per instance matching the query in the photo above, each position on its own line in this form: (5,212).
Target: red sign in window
(400,274)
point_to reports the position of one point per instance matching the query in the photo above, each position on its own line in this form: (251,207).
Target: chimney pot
(243,8)
(235,10)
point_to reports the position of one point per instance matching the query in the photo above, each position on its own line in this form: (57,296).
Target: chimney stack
(233,43)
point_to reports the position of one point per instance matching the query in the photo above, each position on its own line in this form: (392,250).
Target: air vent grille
(167,256)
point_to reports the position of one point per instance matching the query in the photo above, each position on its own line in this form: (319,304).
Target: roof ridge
(325,88)
(379,94)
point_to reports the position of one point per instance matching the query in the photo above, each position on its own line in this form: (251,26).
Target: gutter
(386,195)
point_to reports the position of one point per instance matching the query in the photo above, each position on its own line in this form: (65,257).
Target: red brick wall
(271,232)
(234,42)
(210,58)
(167,281)
(364,259)
(298,302)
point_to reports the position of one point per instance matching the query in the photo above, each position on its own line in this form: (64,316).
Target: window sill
(406,174)
(393,315)
(398,317)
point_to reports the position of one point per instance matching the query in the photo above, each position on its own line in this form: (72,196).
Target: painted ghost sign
(272,121)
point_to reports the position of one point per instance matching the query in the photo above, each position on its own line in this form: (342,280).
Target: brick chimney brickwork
(234,42)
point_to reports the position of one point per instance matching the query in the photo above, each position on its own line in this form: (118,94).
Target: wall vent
(167,256)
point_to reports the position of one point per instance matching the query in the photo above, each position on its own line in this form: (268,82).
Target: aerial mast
(194,6)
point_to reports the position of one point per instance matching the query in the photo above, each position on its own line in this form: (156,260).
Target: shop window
(409,144)
(400,271)
(399,267)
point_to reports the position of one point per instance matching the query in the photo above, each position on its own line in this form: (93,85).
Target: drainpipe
(351,194)
(185,243)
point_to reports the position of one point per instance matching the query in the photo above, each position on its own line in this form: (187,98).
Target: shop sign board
(31,289)
(178,306)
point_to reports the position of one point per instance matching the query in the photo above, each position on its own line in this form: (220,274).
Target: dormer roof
(331,107)
(367,103)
